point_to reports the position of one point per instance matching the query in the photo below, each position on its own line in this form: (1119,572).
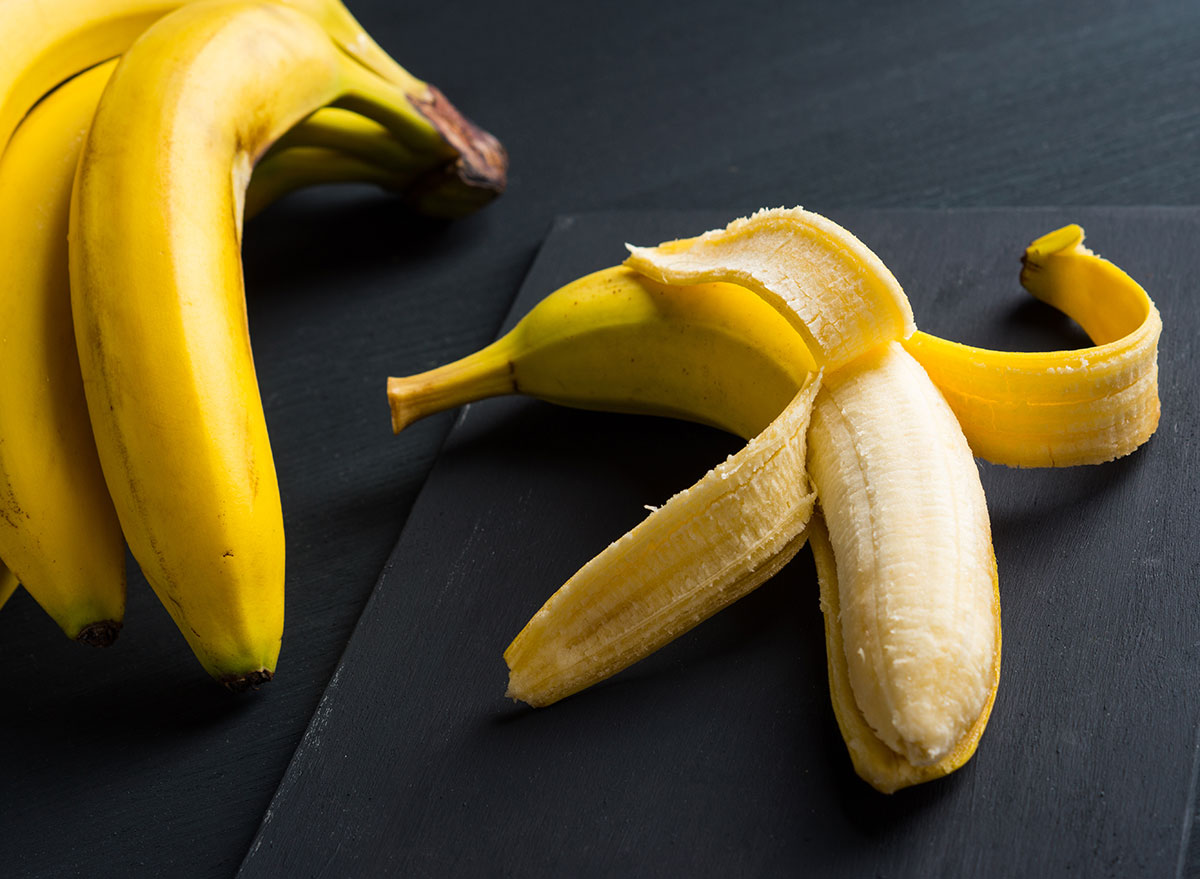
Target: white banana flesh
(909,527)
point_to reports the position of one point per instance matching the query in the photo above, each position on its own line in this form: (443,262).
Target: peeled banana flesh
(908,523)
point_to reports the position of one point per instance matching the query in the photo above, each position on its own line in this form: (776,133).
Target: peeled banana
(907,519)
(908,578)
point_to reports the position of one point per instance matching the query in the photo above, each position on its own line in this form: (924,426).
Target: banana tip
(99,634)
(402,414)
(248,681)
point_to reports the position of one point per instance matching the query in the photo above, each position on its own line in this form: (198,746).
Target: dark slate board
(719,755)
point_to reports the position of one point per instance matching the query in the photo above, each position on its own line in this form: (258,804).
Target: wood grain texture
(127,761)
(719,755)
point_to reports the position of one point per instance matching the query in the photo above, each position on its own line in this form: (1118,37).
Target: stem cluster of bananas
(862,432)
(136,135)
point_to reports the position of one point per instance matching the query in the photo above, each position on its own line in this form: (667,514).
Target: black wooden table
(129,761)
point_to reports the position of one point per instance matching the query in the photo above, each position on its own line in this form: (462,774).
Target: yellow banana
(902,721)
(618,341)
(299,167)
(58,529)
(158,305)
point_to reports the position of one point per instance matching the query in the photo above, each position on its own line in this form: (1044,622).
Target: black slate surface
(128,762)
(719,755)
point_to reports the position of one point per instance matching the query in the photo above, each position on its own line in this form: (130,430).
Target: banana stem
(299,166)
(349,133)
(468,166)
(487,373)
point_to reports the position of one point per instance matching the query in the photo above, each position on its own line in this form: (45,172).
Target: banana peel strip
(678,567)
(831,287)
(1059,408)
(874,762)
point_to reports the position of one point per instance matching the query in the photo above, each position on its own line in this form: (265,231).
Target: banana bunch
(136,136)
(862,431)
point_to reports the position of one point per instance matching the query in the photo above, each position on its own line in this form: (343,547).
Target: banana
(158,308)
(908,522)
(298,167)
(58,527)
(875,762)
(58,530)
(618,341)
(713,353)
(913,620)
(43,43)
(672,571)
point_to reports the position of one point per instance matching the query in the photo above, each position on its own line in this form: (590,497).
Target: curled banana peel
(903,548)
(838,295)
(678,567)
(1059,408)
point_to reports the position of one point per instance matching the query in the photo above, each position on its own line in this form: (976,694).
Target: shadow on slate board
(719,755)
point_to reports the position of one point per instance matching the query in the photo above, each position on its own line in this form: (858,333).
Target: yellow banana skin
(834,290)
(159,312)
(1059,408)
(616,340)
(674,570)
(58,530)
(58,527)
(1020,409)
